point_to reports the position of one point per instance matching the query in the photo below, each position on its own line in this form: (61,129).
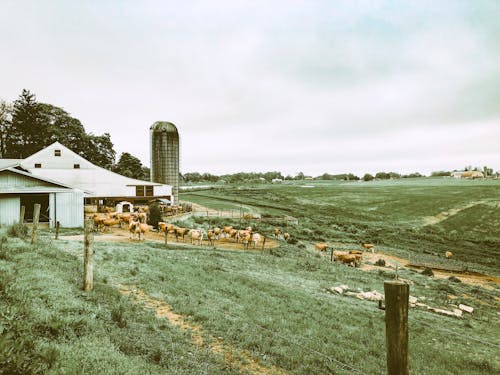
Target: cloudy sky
(258,85)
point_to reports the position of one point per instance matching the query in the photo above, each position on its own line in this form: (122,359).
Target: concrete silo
(164,140)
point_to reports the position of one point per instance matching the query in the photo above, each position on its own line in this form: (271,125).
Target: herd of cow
(137,226)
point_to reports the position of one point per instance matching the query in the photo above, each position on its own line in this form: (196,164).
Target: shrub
(154,215)
(118,316)
(380,262)
(454,279)
(427,272)
(18,230)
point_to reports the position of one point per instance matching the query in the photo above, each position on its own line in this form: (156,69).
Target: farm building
(55,170)
(18,188)
(467,174)
(102,187)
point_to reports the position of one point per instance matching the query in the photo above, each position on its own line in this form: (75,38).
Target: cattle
(256,237)
(286,236)
(137,228)
(166,227)
(196,236)
(180,232)
(241,234)
(351,259)
(217,231)
(108,223)
(98,225)
(277,233)
(321,246)
(448,254)
(124,219)
(143,217)
(245,237)
(369,246)
(226,231)
(210,237)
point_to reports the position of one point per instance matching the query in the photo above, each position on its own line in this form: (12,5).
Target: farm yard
(186,309)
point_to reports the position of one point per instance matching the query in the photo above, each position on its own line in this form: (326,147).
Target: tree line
(27,126)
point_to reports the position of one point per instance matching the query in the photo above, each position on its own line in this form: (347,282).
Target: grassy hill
(230,312)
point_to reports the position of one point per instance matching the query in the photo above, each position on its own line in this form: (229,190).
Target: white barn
(58,202)
(101,186)
(62,182)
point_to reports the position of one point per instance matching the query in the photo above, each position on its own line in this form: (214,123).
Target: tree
(154,215)
(5,125)
(367,177)
(99,150)
(129,166)
(27,129)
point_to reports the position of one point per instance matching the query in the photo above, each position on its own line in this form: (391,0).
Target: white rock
(338,289)
(466,308)
(457,312)
(345,287)
(413,300)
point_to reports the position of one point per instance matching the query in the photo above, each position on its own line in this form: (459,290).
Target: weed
(118,316)
(427,272)
(380,262)
(18,230)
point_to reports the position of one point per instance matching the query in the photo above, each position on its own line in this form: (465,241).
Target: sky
(284,85)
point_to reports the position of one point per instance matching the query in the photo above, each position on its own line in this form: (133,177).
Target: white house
(59,163)
(467,174)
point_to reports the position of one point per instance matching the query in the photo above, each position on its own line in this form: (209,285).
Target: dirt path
(122,235)
(238,359)
(433,220)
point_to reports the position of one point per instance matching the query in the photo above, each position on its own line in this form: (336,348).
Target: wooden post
(58,224)
(264,243)
(166,238)
(36,217)
(88,256)
(21,215)
(396,326)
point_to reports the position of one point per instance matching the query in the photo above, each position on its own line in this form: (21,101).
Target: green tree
(367,177)
(5,125)
(154,215)
(99,150)
(129,166)
(28,130)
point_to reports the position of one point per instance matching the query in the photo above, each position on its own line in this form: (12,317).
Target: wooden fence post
(36,217)
(21,215)
(58,224)
(264,243)
(396,326)
(166,238)
(88,256)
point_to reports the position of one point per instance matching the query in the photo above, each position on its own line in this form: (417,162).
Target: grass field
(271,308)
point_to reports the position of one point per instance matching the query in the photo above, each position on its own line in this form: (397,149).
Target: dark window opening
(149,191)
(29,200)
(38,165)
(57,152)
(76,166)
(139,191)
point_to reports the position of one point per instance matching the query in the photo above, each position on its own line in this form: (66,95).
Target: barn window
(139,191)
(38,165)
(76,166)
(149,191)
(57,152)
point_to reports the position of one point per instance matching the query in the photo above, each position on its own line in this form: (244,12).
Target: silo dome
(164,141)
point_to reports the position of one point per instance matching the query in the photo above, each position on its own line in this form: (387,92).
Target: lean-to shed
(58,202)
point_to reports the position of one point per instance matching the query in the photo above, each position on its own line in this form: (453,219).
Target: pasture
(199,310)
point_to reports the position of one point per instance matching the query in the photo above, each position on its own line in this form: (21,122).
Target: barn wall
(10,207)
(11,180)
(67,208)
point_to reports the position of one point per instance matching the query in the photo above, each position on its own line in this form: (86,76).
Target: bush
(118,316)
(454,279)
(380,262)
(427,272)
(18,230)
(154,215)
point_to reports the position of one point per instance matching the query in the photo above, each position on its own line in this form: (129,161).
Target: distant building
(467,174)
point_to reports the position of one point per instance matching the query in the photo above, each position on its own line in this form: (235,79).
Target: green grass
(390,214)
(273,305)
